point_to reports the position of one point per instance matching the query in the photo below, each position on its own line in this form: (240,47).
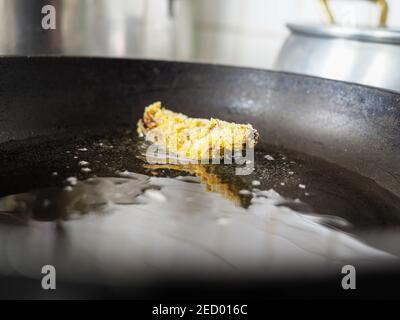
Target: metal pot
(117,28)
(368,56)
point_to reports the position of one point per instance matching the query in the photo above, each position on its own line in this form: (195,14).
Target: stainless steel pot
(368,56)
(117,28)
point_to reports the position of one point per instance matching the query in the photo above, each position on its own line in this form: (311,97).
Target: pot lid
(379,35)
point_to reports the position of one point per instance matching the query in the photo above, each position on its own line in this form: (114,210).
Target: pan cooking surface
(87,201)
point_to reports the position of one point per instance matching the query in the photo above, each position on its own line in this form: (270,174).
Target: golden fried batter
(193,138)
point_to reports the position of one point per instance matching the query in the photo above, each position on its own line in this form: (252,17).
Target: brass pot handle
(381,3)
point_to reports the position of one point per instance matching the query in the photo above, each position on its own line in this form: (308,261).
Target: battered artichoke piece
(193,138)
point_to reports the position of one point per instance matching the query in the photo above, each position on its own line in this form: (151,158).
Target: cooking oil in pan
(98,195)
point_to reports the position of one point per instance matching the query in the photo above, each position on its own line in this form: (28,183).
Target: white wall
(250,32)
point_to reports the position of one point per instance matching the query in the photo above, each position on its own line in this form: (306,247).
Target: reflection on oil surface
(138,227)
(98,213)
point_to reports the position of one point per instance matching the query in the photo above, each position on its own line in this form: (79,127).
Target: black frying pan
(352,127)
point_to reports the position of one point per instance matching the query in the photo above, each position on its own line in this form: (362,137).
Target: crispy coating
(193,138)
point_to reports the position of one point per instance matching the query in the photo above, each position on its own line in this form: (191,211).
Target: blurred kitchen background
(233,32)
